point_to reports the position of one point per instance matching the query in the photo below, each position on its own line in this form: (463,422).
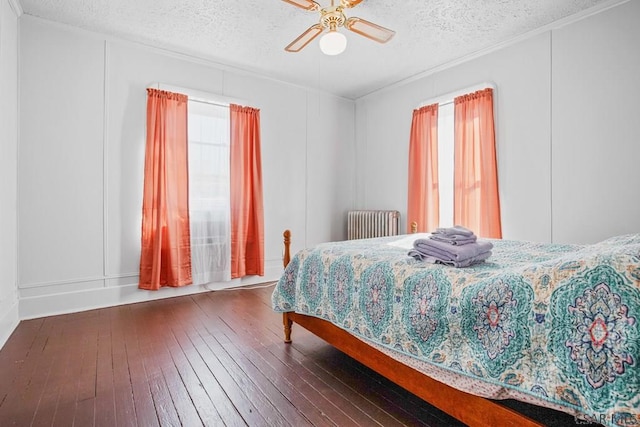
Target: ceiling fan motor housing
(332,17)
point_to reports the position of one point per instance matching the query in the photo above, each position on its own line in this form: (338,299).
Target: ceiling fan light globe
(333,43)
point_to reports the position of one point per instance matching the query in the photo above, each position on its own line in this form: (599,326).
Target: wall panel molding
(49,299)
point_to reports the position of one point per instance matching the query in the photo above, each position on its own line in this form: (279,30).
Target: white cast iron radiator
(372,223)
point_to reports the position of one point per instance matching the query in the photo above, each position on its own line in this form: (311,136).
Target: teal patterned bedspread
(560,323)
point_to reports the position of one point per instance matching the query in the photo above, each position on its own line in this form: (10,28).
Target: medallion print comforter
(558,325)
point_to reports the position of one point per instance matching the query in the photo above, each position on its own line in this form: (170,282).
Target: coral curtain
(423,198)
(165,258)
(247,213)
(476,200)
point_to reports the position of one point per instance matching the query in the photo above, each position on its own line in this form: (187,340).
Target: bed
(549,324)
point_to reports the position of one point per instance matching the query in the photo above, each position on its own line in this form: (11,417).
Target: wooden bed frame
(471,410)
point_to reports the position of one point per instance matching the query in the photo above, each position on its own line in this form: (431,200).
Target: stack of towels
(455,246)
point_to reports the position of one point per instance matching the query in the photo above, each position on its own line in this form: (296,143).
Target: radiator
(371,223)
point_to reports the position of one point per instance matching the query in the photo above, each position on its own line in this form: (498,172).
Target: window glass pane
(445,162)
(209,191)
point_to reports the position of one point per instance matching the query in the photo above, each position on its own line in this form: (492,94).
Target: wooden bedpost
(287,323)
(414,227)
(286,257)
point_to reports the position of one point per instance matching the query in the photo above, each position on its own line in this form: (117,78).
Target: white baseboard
(123,290)
(8,323)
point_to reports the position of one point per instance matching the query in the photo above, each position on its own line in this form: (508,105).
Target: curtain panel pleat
(247,213)
(165,258)
(423,198)
(476,198)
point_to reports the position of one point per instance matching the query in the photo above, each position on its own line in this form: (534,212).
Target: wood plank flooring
(210,359)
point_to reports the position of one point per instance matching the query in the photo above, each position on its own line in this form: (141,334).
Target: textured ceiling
(251,34)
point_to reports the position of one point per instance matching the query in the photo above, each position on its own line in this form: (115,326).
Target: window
(454,137)
(209,194)
(445,162)
(195,150)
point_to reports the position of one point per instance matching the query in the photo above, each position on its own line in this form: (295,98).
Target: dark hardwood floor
(209,359)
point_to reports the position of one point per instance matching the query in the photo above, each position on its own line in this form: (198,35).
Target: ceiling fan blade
(369,29)
(304,4)
(305,38)
(350,3)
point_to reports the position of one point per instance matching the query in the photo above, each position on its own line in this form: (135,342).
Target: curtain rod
(447,98)
(198,95)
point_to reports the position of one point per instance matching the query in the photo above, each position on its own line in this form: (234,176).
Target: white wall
(567,133)
(8,168)
(522,98)
(596,126)
(81,159)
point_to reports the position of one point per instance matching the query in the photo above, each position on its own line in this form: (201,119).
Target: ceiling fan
(332,17)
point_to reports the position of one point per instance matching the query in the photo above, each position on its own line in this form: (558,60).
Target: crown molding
(194,58)
(17,7)
(546,28)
